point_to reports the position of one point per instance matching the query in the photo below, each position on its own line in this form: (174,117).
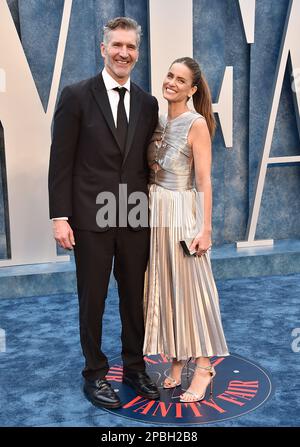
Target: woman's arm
(200,141)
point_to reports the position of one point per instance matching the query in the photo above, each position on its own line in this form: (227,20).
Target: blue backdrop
(219,40)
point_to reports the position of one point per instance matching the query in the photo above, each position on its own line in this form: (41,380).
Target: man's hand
(63,234)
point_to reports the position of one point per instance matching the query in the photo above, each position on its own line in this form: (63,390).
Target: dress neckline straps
(176,117)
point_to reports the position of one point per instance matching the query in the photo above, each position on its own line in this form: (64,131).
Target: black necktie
(122,123)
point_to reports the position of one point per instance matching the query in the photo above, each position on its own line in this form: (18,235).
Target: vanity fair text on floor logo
(240,386)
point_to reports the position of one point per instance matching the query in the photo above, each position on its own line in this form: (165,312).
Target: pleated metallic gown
(181,302)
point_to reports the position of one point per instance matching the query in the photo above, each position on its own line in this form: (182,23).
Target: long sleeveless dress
(181,303)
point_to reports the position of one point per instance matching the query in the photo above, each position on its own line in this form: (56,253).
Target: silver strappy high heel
(172,382)
(196,397)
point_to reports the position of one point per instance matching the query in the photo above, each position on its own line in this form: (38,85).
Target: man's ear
(102,49)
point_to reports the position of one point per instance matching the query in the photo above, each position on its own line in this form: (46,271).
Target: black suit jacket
(85,155)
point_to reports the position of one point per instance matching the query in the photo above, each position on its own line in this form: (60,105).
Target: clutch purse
(185,243)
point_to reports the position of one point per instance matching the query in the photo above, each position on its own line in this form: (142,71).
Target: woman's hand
(201,243)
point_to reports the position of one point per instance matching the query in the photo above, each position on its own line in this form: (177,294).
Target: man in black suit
(102,127)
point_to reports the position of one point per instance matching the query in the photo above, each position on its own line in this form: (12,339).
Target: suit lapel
(135,107)
(101,97)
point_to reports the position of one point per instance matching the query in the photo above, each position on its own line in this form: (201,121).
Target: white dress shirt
(114,97)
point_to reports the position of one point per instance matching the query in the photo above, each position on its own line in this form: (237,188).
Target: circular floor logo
(240,386)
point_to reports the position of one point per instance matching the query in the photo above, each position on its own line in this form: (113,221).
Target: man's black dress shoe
(141,383)
(101,394)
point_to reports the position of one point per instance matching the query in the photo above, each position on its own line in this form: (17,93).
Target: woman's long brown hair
(202,97)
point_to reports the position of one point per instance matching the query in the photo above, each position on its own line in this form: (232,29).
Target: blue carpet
(40,380)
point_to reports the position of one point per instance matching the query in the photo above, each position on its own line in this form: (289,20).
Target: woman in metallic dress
(182,314)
